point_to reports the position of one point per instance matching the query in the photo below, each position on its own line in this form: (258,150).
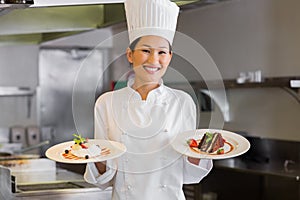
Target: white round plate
(235,144)
(56,152)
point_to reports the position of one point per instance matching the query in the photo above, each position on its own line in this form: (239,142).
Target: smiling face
(150,59)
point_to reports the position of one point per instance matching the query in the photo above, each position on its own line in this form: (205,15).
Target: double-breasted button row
(163,186)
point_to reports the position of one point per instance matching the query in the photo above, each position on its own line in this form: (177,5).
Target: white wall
(247,35)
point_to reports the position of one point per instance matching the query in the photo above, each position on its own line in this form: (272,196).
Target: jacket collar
(153,95)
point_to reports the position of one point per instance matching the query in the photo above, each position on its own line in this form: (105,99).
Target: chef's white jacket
(150,168)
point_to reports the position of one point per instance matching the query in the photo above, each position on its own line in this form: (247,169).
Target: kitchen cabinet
(235,185)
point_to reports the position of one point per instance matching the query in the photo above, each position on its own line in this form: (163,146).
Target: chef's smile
(151,69)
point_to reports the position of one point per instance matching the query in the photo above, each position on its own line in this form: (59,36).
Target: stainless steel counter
(267,157)
(60,184)
(64,194)
(50,183)
(286,168)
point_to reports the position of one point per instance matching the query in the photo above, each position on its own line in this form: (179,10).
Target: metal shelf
(231,84)
(19,92)
(16,91)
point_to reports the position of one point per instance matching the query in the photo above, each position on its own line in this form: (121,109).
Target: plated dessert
(210,143)
(82,149)
(213,144)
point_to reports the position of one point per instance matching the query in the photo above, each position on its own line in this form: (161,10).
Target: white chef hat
(151,17)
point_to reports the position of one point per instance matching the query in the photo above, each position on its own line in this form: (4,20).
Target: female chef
(147,115)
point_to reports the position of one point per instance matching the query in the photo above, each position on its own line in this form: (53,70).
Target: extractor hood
(15,3)
(37,21)
(9,5)
(47,3)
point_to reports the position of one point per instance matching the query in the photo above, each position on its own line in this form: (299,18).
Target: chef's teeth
(151,69)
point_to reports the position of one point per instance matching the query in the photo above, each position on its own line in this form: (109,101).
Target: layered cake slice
(211,142)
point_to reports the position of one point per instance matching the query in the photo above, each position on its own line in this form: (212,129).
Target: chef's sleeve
(195,173)
(104,180)
(91,174)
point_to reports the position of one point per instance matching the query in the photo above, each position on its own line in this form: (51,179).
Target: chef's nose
(153,58)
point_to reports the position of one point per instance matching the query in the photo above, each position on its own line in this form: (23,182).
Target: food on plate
(82,149)
(209,143)
(192,143)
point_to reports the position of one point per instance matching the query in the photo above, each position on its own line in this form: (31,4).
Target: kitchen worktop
(60,183)
(267,157)
(273,180)
(57,175)
(42,179)
(278,168)
(39,171)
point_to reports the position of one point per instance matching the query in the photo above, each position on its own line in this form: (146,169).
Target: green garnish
(209,137)
(220,151)
(79,139)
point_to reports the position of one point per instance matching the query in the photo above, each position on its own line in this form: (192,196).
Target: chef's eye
(162,52)
(145,50)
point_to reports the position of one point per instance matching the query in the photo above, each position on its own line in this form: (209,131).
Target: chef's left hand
(195,161)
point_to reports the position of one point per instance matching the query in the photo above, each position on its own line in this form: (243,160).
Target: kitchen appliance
(33,138)
(37,179)
(17,134)
(70,80)
(33,135)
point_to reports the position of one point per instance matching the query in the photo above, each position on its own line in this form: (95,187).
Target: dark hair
(134,43)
